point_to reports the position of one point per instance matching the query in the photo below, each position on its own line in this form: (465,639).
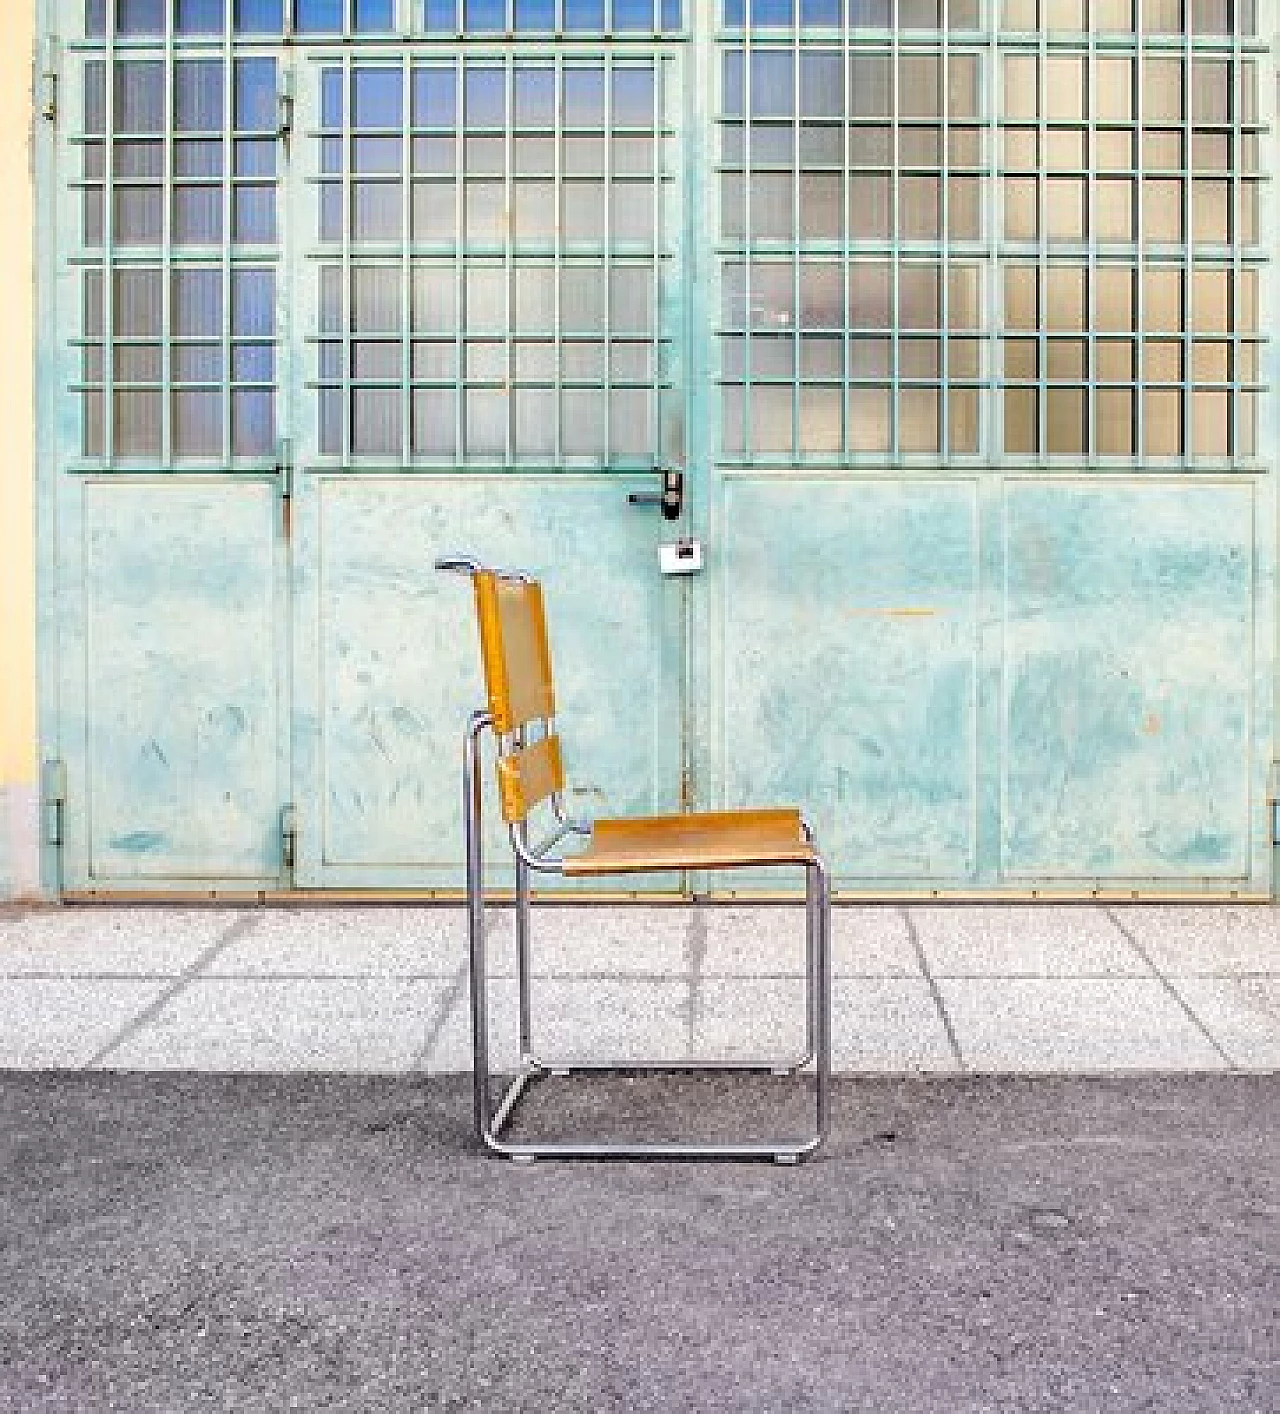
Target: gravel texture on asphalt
(175,1243)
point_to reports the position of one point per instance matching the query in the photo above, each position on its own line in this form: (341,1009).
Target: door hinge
(686,788)
(49,82)
(53,794)
(284,471)
(284,103)
(289,837)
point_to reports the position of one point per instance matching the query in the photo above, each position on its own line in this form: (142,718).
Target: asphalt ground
(258,1242)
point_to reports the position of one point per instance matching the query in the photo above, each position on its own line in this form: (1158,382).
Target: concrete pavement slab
(887,1025)
(1207,941)
(386,940)
(1074,1024)
(768,940)
(108,941)
(360,1025)
(62,1022)
(1023,940)
(1241,1013)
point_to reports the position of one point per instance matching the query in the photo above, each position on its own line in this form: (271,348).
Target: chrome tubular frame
(490,1121)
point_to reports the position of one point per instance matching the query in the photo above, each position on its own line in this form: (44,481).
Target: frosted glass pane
(964,208)
(821,356)
(376,211)
(771,419)
(962,410)
(869,206)
(1113,299)
(1211,362)
(1211,91)
(434,211)
(197,215)
(197,302)
(253,211)
(919,303)
(770,206)
(1064,208)
(919,358)
(919,425)
(583,211)
(1114,408)
(582,422)
(919,208)
(377,97)
(584,97)
(1114,360)
(869,422)
(535,211)
(1064,88)
(1021,80)
(1211,301)
(91,424)
(486,211)
(1065,298)
(870,86)
(773,301)
(1113,90)
(772,356)
(870,357)
(583,360)
(1021,302)
(535,298)
(821,295)
(486,361)
(1021,208)
(630,361)
(486,299)
(434,414)
(330,416)
(139,215)
(535,416)
(1211,423)
(631,212)
(1210,211)
(964,293)
(1162,299)
(1162,422)
(435,360)
(583,305)
(963,95)
(375,360)
(820,206)
(1021,433)
(1113,151)
(920,85)
(375,421)
(1162,361)
(1113,209)
(199,89)
(1065,421)
(631,299)
(1161,90)
(138,299)
(137,422)
(375,299)
(197,423)
(139,96)
(870,295)
(1161,210)
(1065,150)
(631,423)
(821,418)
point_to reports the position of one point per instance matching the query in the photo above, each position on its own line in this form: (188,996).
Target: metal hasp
(670,500)
(529,771)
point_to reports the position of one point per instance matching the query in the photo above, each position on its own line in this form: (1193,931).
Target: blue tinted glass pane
(435,98)
(95,18)
(535,95)
(819,12)
(259,16)
(671,16)
(584,97)
(375,15)
(486,97)
(253,363)
(633,97)
(535,14)
(198,95)
(255,95)
(732,79)
(441,17)
(632,15)
(735,13)
(772,88)
(584,14)
(140,16)
(253,302)
(376,98)
(331,105)
(485,16)
(869,14)
(316,16)
(199,16)
(772,12)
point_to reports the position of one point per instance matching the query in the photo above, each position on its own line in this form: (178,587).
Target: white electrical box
(684,557)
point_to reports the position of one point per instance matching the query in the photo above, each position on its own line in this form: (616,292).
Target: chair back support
(528,776)
(517,656)
(517,671)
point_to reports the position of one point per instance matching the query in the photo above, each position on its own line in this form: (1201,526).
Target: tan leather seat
(716,840)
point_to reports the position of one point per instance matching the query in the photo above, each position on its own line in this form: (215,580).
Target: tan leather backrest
(528,775)
(516,653)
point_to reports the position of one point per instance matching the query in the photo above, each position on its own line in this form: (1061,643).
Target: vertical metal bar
(472,815)
(227,139)
(406,263)
(508,242)
(167,196)
(108,239)
(460,69)
(523,930)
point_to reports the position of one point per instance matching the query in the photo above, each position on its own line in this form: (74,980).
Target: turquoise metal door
(489,290)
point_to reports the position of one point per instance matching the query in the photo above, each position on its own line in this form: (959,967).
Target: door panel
(388,655)
(849,653)
(178,774)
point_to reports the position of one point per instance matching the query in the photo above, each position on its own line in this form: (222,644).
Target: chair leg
(471,815)
(523,923)
(820,992)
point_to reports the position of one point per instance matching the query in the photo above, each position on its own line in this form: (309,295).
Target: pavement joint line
(1170,988)
(449,998)
(947,1025)
(240,928)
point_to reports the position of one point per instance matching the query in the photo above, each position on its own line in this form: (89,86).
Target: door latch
(670,500)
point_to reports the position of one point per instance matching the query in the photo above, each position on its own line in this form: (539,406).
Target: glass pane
(318,16)
(1114,409)
(535,422)
(633,97)
(1162,422)
(137,420)
(376,211)
(197,215)
(375,421)
(253,302)
(259,16)
(582,422)
(583,305)
(771,419)
(631,299)
(868,420)
(255,95)
(434,422)
(138,303)
(631,422)
(584,97)
(196,303)
(377,98)
(1021,421)
(139,96)
(918,426)
(1065,421)
(140,17)
(1065,298)
(197,423)
(631,211)
(821,418)
(435,97)
(198,92)
(1113,299)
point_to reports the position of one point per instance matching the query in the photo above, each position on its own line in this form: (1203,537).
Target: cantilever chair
(521,715)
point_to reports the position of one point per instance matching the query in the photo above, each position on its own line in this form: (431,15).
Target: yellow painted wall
(18,751)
